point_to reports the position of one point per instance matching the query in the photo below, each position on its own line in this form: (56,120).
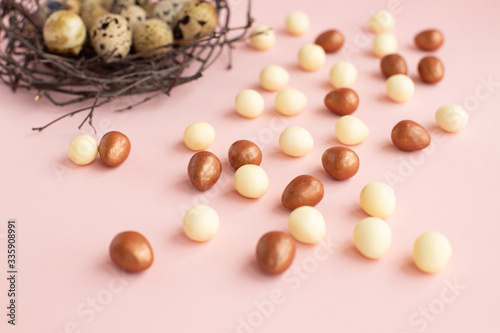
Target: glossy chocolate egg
(244,152)
(408,135)
(303,190)
(131,251)
(114,148)
(204,170)
(340,162)
(275,252)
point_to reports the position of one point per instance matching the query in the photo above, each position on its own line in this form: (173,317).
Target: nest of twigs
(25,63)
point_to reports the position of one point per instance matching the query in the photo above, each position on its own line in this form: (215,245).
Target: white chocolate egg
(296,141)
(351,130)
(251,181)
(431,252)
(83,149)
(262,38)
(372,237)
(201,223)
(378,200)
(307,225)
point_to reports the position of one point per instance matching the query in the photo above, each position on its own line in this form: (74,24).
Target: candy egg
(251,181)
(381,21)
(82,150)
(408,135)
(342,101)
(131,251)
(262,38)
(290,102)
(378,200)
(311,57)
(111,36)
(303,190)
(204,170)
(343,74)
(273,78)
(249,103)
(153,37)
(384,43)
(297,23)
(307,225)
(393,64)
(431,69)
(372,237)
(244,152)
(201,223)
(340,162)
(133,15)
(199,136)
(350,130)
(451,118)
(399,88)
(431,252)
(429,40)
(196,19)
(296,141)
(64,32)
(275,252)
(330,40)
(114,148)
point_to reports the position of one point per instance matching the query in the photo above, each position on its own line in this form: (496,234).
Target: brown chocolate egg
(275,252)
(330,41)
(114,148)
(340,162)
(342,101)
(431,69)
(408,135)
(429,40)
(131,251)
(393,64)
(303,190)
(204,170)
(244,152)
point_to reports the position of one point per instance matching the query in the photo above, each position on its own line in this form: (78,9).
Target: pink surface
(67,215)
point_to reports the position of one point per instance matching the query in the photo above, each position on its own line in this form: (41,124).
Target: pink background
(67,215)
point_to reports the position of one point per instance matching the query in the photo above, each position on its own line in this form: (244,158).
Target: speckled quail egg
(151,34)
(133,14)
(50,6)
(91,13)
(167,10)
(64,32)
(195,20)
(111,36)
(120,4)
(150,9)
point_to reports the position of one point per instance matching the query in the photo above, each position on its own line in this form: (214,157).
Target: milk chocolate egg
(131,251)
(275,252)
(204,170)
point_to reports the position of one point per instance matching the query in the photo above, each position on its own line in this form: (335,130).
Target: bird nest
(26,63)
